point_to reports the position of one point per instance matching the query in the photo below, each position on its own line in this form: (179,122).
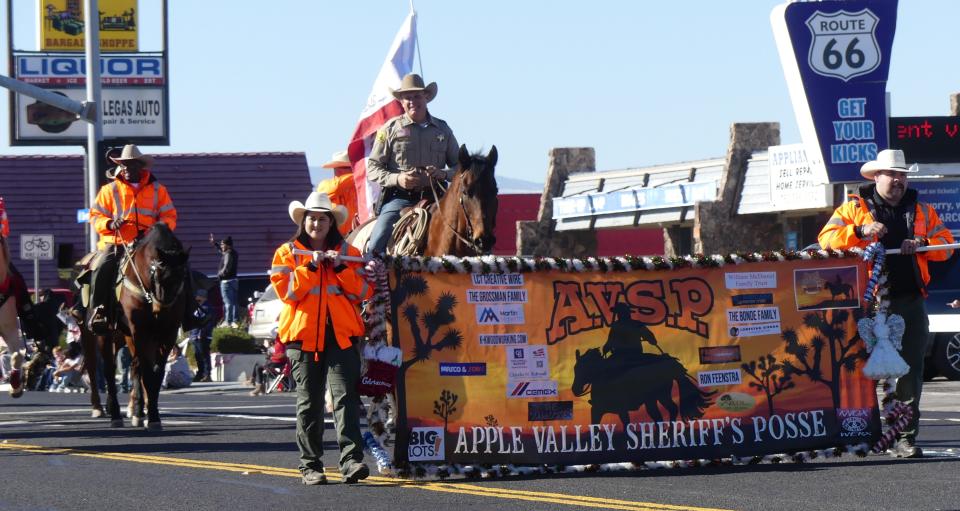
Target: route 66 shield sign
(844,44)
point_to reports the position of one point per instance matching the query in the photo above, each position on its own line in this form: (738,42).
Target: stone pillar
(717,229)
(955,104)
(539,238)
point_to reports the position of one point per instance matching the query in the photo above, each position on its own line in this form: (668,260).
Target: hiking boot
(906,448)
(16,384)
(205,379)
(356,471)
(257,390)
(311,477)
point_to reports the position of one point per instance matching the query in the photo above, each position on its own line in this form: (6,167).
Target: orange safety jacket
(140,206)
(839,233)
(342,191)
(314,297)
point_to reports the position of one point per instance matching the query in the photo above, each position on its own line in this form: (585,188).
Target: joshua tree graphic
(772,377)
(430,329)
(445,406)
(828,340)
(491,421)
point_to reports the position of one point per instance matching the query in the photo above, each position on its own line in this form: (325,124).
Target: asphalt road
(222,449)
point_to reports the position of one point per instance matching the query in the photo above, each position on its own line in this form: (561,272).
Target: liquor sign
(133,104)
(62,25)
(836,58)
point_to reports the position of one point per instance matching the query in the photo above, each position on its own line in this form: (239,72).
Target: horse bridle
(467,241)
(143,290)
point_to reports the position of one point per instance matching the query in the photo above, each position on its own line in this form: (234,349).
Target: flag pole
(416,38)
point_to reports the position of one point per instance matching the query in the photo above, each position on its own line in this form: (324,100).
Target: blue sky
(642,82)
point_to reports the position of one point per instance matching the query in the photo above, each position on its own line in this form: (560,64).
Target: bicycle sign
(36,246)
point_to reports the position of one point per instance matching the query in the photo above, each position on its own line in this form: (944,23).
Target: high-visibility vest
(141,207)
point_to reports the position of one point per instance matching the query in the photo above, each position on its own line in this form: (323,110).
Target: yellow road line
(445,487)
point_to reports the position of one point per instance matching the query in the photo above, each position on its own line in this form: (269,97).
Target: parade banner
(558,366)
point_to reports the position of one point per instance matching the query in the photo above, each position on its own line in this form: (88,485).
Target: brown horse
(465,218)
(462,223)
(152,301)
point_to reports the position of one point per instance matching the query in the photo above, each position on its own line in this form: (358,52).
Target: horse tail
(693,400)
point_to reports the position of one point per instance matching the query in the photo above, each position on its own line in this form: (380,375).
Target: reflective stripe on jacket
(839,232)
(141,208)
(311,297)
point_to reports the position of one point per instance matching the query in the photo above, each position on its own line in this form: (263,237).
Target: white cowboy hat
(412,83)
(132,152)
(316,202)
(339,160)
(888,159)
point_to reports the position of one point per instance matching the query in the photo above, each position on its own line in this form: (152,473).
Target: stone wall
(539,237)
(955,104)
(717,228)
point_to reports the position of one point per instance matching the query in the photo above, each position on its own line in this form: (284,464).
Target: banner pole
(930,248)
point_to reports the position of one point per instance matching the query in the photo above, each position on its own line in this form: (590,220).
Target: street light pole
(91,29)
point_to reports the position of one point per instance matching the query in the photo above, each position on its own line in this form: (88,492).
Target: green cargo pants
(340,369)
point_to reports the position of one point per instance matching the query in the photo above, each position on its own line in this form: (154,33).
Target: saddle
(409,235)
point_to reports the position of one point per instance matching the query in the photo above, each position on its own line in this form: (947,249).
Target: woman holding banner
(319,325)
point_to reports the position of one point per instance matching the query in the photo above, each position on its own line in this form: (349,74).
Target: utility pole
(91,21)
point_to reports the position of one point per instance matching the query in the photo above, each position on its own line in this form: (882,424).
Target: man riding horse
(625,338)
(125,209)
(409,151)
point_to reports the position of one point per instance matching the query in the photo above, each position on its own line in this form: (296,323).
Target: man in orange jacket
(341,189)
(125,209)
(888,211)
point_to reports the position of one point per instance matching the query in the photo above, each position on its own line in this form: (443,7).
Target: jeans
(382,231)
(201,351)
(228,290)
(123,362)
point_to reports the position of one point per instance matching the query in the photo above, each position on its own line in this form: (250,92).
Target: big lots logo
(426,444)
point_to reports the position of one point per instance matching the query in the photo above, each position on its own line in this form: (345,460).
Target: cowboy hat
(888,159)
(338,161)
(316,202)
(413,83)
(132,152)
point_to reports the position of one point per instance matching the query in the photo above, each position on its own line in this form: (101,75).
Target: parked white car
(266,313)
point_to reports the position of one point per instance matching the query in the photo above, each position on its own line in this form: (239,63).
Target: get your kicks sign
(836,58)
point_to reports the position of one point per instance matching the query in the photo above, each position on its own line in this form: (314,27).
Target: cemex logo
(426,444)
(532,388)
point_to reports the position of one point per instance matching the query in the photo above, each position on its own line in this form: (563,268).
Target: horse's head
(477,190)
(165,262)
(585,370)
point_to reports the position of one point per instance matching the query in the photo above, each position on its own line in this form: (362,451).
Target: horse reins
(463,207)
(144,291)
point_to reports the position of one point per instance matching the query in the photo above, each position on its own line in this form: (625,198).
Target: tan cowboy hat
(888,159)
(132,152)
(316,202)
(339,160)
(412,83)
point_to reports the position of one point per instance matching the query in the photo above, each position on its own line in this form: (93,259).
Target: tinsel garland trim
(498,264)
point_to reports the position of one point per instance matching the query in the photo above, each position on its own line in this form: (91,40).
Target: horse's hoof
(154,427)
(96,413)
(116,423)
(136,421)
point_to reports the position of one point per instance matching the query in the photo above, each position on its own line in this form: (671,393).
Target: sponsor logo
(497,296)
(854,421)
(496,279)
(755,330)
(550,411)
(753,299)
(463,368)
(426,444)
(719,354)
(736,402)
(375,383)
(527,363)
(507,314)
(715,378)
(502,339)
(753,321)
(532,388)
(751,280)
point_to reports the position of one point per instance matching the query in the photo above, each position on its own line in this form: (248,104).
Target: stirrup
(98,322)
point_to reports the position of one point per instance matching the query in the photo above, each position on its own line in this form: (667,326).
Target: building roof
(242,195)
(648,196)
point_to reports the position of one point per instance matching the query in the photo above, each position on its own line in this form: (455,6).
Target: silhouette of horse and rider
(621,378)
(839,288)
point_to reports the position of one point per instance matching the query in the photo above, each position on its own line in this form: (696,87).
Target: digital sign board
(928,139)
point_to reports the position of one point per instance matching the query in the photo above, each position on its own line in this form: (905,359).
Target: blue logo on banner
(842,52)
(753,299)
(83,216)
(463,368)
